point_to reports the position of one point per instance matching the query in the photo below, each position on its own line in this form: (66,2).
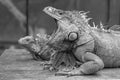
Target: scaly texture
(37,46)
(95,47)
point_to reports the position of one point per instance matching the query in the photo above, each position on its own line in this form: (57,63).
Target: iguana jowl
(95,47)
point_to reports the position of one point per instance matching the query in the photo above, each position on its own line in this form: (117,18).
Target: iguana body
(95,47)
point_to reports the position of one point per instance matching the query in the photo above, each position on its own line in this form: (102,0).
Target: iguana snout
(26,40)
(53,12)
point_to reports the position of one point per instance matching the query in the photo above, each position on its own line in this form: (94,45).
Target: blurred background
(19,18)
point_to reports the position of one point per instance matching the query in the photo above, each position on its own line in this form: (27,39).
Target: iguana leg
(92,64)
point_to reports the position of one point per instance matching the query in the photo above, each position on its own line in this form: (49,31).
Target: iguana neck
(98,35)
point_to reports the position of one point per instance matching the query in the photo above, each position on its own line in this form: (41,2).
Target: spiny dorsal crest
(101,28)
(80,15)
(81,21)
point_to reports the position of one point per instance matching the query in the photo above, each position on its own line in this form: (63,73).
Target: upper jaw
(52,12)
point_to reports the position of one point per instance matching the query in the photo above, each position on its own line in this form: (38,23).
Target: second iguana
(35,45)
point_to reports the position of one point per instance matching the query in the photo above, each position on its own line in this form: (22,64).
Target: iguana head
(69,20)
(39,41)
(65,18)
(37,45)
(66,24)
(29,43)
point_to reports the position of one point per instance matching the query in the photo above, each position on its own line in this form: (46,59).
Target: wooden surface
(18,65)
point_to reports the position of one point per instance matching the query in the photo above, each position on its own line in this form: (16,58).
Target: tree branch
(17,13)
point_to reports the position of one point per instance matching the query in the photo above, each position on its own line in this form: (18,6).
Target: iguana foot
(50,68)
(36,57)
(47,65)
(61,73)
(75,72)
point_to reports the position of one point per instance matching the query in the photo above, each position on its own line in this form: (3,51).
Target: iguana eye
(60,13)
(27,40)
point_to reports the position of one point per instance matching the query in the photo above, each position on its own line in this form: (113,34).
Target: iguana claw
(68,74)
(61,73)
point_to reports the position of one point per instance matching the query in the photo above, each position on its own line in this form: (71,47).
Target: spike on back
(101,25)
(69,18)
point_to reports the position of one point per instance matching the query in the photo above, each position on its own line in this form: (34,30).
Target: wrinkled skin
(96,48)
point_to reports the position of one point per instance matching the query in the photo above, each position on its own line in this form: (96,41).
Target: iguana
(36,45)
(96,47)
(44,47)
